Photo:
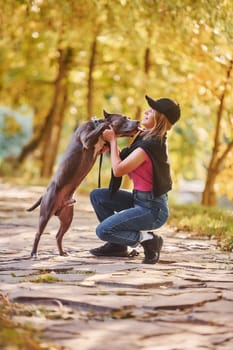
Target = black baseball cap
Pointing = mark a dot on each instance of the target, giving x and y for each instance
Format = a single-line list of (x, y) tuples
[(166, 106)]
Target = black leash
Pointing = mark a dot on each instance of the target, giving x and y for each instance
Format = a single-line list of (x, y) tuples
[(96, 122), (100, 166)]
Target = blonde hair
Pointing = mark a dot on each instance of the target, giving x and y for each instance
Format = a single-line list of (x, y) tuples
[(161, 126)]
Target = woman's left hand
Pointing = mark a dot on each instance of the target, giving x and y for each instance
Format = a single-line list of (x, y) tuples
[(109, 135)]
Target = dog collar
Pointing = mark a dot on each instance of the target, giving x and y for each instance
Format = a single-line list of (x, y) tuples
[(134, 137)]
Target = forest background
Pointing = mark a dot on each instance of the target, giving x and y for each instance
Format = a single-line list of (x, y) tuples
[(64, 61)]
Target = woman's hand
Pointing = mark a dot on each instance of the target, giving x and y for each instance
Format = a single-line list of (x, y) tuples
[(109, 135)]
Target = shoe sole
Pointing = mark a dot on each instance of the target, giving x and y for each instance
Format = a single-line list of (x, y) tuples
[(117, 254)]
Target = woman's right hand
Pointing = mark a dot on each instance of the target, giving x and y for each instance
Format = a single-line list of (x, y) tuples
[(109, 135)]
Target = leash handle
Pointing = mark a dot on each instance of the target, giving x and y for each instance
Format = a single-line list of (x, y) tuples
[(100, 166)]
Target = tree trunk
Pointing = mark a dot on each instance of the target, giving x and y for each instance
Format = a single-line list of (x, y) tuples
[(35, 140), (138, 113), (147, 61), (146, 70), (217, 158), (209, 197), (90, 79), (52, 133)]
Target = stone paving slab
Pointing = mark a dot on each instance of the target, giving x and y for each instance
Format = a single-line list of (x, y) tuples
[(183, 302)]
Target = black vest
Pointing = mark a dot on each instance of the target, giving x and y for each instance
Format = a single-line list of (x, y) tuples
[(156, 148)]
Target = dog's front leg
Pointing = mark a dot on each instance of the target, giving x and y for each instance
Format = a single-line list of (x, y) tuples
[(91, 138)]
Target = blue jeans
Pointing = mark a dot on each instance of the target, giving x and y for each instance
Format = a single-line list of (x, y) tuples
[(124, 214)]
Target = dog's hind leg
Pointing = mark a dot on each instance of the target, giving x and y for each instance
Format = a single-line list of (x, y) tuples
[(43, 220), (65, 217), (46, 211)]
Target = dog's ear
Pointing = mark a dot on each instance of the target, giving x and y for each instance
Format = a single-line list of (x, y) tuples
[(106, 114)]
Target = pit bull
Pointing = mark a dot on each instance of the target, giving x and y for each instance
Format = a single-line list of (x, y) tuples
[(79, 158)]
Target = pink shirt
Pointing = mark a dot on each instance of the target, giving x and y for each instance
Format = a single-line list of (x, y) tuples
[(143, 175)]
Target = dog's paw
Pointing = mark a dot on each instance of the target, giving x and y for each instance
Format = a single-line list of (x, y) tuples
[(64, 254), (85, 145)]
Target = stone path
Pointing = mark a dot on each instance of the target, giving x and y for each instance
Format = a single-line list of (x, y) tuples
[(183, 302)]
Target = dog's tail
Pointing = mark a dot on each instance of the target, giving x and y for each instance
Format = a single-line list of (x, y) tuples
[(35, 205)]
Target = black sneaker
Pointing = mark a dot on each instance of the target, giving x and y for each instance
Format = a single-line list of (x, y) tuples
[(110, 249), (152, 249)]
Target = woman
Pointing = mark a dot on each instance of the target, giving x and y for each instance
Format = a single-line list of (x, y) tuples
[(126, 217)]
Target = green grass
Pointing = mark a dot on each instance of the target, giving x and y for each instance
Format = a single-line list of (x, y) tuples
[(204, 221), (45, 279)]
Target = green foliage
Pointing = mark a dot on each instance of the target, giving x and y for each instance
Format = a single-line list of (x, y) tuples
[(204, 221), (189, 46)]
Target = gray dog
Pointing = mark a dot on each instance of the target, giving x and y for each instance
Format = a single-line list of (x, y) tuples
[(78, 160)]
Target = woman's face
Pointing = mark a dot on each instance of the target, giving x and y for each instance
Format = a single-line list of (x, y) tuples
[(148, 120)]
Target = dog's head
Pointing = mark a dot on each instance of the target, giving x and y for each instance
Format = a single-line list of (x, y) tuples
[(122, 125)]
